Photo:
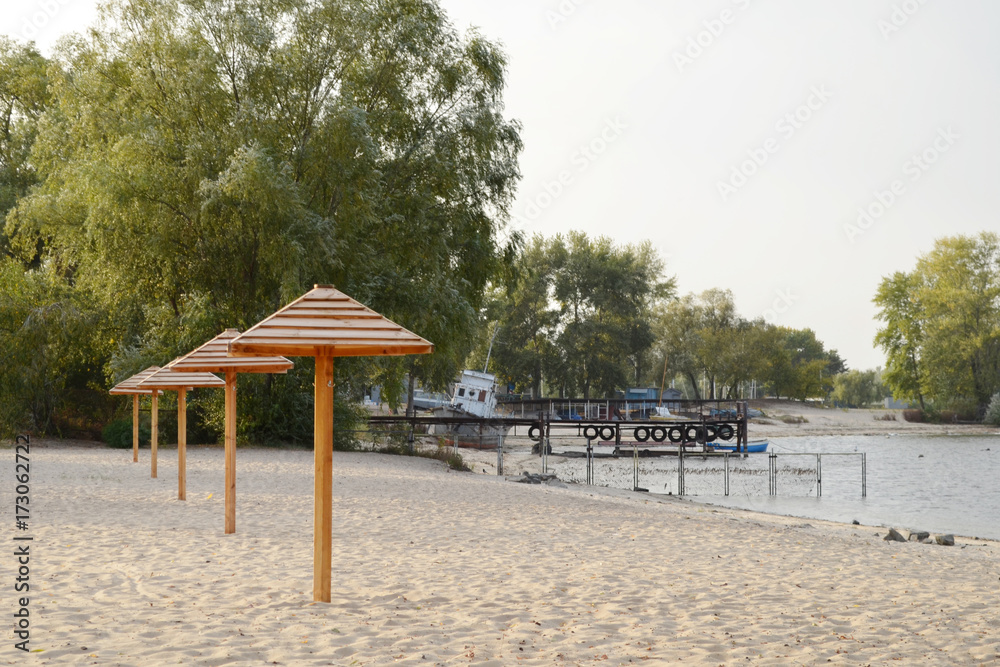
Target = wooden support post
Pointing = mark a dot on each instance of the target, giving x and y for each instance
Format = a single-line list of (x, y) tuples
[(230, 452), (181, 444), (155, 434), (323, 483), (135, 428)]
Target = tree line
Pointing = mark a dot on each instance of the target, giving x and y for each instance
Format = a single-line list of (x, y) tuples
[(587, 317)]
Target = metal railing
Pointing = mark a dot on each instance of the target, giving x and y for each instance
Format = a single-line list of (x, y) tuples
[(773, 470)]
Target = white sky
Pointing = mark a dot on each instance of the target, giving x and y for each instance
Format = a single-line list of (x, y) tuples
[(887, 80)]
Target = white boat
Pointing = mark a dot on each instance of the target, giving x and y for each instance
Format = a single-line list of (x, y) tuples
[(474, 397)]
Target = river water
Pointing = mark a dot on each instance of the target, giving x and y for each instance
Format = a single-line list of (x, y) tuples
[(942, 484)]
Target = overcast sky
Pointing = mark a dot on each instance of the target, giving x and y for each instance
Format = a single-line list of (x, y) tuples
[(792, 151)]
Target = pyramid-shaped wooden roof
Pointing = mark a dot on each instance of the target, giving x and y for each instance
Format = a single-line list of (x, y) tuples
[(131, 385), (213, 357), (168, 378), (327, 322)]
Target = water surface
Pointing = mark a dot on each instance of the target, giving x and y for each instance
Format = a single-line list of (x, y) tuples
[(942, 484)]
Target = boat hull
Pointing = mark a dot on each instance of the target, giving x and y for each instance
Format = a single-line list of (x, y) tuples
[(483, 434), (751, 448)]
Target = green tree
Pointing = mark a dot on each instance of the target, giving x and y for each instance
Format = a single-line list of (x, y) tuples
[(525, 321), (942, 323), (606, 294), (578, 315), (47, 352), (803, 367), (857, 389), (902, 336)]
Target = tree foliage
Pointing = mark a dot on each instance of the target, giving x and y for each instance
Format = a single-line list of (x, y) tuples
[(579, 315), (192, 165), (47, 351), (705, 341), (858, 389), (942, 323)]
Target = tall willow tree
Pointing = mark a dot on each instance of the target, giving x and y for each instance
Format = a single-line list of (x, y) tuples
[(203, 161), (942, 323)]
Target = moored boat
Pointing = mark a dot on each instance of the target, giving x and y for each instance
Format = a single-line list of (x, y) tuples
[(474, 398), (755, 447)]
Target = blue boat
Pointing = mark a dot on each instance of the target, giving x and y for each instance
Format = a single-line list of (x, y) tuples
[(756, 447)]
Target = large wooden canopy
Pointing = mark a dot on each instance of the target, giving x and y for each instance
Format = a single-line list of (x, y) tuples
[(326, 323), (131, 386), (168, 378), (213, 357)]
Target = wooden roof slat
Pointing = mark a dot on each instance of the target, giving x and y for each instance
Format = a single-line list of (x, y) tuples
[(335, 335), (306, 350), (324, 323), (349, 317)]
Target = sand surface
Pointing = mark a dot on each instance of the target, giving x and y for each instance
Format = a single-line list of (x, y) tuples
[(818, 420), (438, 567)]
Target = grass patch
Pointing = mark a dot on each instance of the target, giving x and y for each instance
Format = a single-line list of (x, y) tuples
[(887, 417), (445, 454), (793, 419)]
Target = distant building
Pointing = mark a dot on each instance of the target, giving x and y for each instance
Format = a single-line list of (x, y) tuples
[(650, 394)]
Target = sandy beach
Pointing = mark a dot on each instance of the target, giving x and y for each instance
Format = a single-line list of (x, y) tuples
[(433, 566), (794, 418)]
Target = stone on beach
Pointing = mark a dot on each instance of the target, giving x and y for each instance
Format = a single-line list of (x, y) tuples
[(894, 536)]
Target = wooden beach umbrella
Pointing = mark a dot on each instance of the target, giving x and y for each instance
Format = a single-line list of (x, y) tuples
[(131, 387), (326, 323), (179, 381), (213, 357)]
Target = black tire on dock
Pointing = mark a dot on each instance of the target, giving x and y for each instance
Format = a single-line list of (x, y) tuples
[(711, 433), (676, 434), (726, 432), (533, 433), (607, 432), (641, 433), (692, 433), (658, 434), (590, 432)]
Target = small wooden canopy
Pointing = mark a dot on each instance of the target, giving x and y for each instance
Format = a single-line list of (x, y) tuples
[(131, 385), (213, 357), (168, 378), (327, 322)]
